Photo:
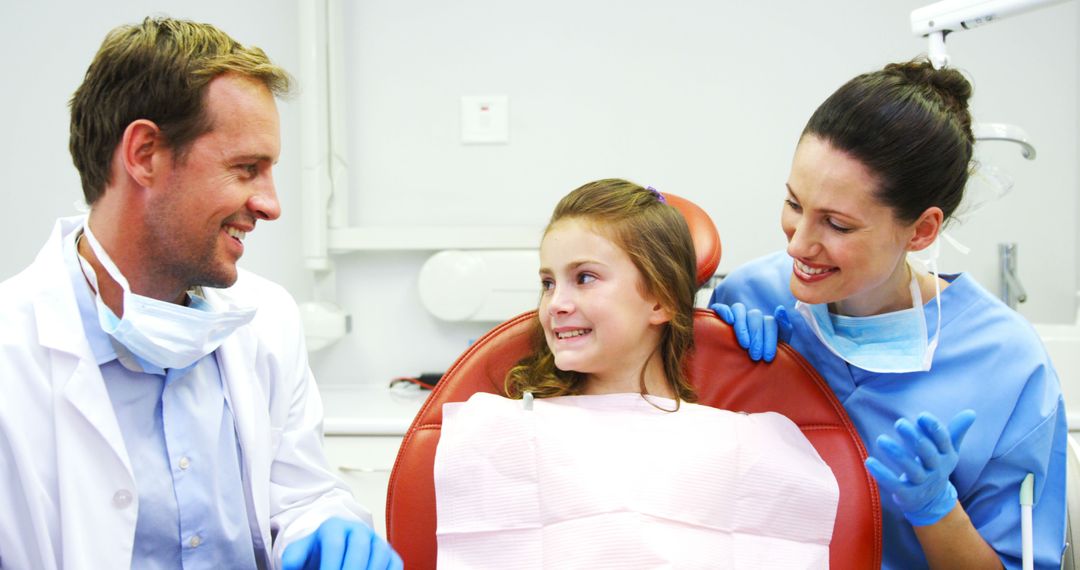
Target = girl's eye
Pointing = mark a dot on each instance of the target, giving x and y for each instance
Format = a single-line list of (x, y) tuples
[(546, 284), (585, 278), (793, 205)]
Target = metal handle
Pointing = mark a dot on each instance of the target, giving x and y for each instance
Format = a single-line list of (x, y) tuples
[(1012, 290)]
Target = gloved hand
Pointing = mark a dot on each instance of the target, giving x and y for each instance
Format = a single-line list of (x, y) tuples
[(756, 332), (341, 544), (915, 472)]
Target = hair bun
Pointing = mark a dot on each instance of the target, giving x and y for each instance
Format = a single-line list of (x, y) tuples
[(946, 85)]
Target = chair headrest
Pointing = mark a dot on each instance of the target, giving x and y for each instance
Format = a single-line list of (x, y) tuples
[(702, 232)]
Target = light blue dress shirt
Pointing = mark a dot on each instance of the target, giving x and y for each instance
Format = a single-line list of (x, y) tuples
[(181, 439), (988, 359)]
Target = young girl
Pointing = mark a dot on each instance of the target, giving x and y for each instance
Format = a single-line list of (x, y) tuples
[(616, 308), (612, 466)]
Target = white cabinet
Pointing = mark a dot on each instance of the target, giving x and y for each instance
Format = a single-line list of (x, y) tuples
[(364, 425), (1063, 345), (364, 463)]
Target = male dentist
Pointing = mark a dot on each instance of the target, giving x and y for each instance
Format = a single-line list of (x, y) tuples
[(156, 405)]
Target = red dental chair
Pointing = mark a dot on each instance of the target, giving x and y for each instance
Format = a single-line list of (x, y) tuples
[(723, 376)]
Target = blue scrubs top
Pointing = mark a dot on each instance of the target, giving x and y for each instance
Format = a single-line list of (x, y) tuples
[(989, 359)]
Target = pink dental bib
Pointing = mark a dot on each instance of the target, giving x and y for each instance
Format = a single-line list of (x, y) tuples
[(613, 482)]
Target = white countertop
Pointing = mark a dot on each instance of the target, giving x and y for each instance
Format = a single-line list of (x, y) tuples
[(369, 409), (377, 410)]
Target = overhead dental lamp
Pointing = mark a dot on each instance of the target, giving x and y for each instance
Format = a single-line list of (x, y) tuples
[(937, 20)]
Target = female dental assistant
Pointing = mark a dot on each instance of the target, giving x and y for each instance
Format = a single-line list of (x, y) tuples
[(879, 168)]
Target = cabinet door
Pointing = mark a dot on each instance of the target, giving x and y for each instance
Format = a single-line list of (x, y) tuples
[(364, 463)]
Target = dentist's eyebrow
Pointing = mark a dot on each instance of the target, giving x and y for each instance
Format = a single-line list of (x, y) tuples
[(256, 157), (822, 210)]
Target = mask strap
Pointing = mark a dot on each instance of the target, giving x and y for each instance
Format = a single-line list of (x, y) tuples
[(84, 265), (937, 298), (935, 252), (949, 239), (930, 262), (104, 258)]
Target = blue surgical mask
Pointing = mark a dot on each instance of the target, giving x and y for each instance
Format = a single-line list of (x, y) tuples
[(162, 333), (891, 342)]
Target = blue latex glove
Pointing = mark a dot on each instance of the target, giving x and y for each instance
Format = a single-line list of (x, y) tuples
[(915, 471), (756, 332), (341, 544)]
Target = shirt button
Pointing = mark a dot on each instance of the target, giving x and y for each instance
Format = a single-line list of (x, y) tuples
[(122, 499), (195, 541), (185, 463)]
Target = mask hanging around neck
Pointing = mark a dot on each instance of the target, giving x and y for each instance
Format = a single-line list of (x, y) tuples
[(165, 334), (890, 342)]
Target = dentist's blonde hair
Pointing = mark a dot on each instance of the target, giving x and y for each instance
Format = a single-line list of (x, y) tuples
[(656, 238), (156, 70)]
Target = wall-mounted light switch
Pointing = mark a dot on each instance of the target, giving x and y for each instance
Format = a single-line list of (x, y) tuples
[(485, 119)]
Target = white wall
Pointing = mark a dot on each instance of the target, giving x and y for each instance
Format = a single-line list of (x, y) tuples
[(704, 99)]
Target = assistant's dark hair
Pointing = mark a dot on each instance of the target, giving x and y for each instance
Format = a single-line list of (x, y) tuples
[(909, 124), (656, 238)]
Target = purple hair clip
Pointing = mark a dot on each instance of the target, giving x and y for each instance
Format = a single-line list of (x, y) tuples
[(657, 193)]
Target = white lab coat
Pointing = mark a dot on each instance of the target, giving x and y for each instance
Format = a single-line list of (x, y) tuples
[(67, 491)]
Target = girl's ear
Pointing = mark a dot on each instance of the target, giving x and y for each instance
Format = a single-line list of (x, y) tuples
[(659, 315)]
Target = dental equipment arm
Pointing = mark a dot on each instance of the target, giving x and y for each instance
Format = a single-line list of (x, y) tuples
[(1004, 132), (937, 20)]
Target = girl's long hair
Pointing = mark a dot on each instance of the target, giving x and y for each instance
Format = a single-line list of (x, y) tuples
[(657, 240)]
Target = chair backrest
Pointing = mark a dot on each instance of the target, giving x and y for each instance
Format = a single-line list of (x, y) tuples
[(703, 233), (723, 376)]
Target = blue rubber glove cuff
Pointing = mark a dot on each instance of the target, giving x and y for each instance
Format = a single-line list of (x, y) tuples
[(936, 509)]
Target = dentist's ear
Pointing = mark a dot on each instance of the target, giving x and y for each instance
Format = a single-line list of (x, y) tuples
[(926, 229), (141, 150)]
